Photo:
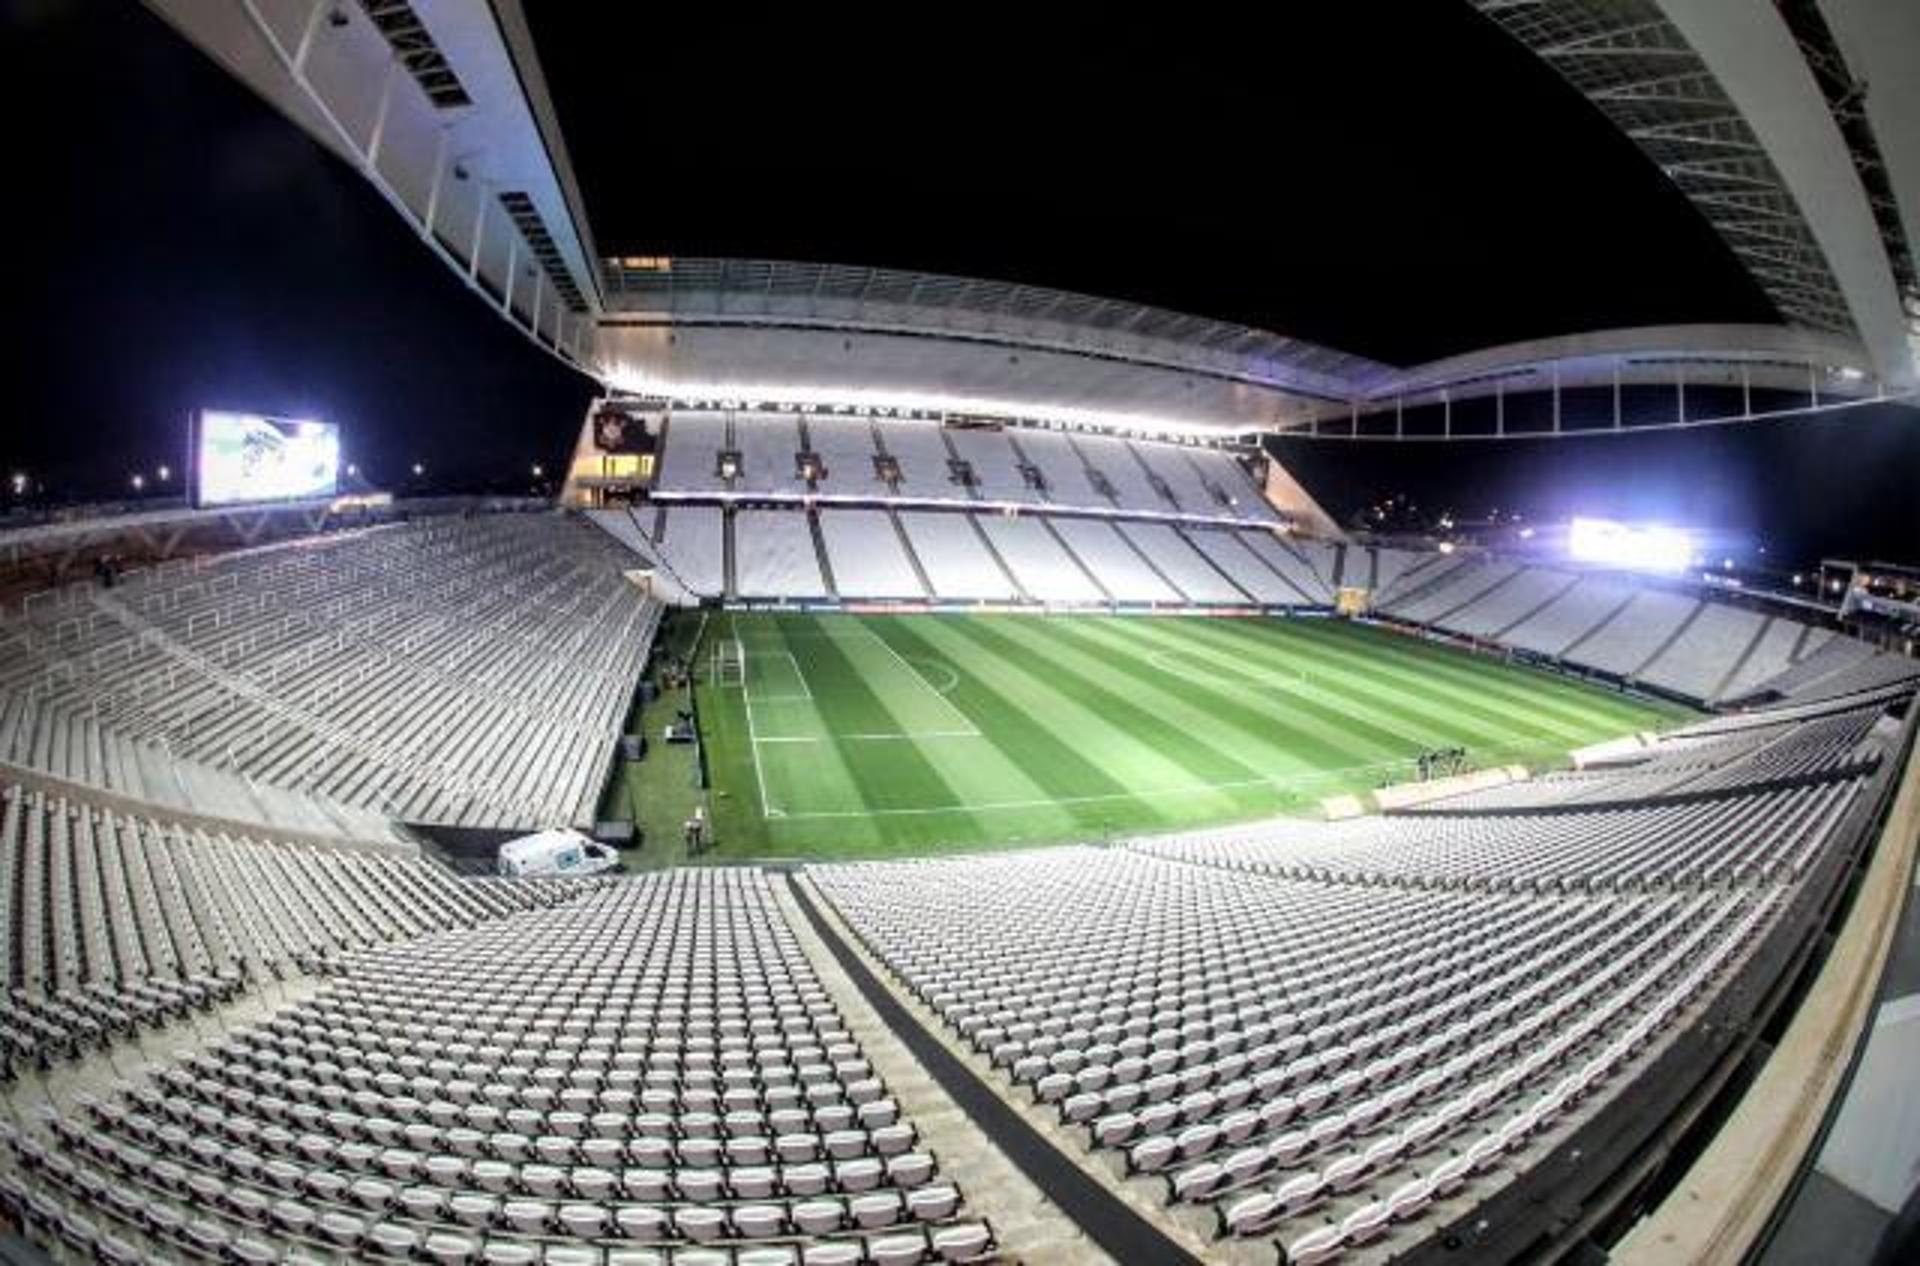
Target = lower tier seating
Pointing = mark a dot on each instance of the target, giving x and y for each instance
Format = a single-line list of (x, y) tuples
[(652, 1074), (111, 921)]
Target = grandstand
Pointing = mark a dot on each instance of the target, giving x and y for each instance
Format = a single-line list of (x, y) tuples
[(1045, 833)]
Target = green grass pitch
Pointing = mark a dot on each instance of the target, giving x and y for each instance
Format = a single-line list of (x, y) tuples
[(856, 735)]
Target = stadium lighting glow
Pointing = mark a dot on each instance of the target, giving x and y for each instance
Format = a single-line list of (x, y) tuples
[(538, 470), (165, 473), (418, 469), (1798, 579), (139, 482), (643, 383), (1638, 548)]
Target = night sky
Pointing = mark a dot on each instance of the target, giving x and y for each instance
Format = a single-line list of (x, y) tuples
[(1392, 179)]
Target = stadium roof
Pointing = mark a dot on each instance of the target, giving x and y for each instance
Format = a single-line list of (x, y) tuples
[(1767, 124), (444, 107)]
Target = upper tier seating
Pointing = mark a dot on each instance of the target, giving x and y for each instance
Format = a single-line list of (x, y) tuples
[(845, 448), (1839, 666), (1236, 490), (1010, 464), (465, 671), (774, 556), (925, 462), (690, 457), (1114, 459), (1181, 478), (1065, 475), (655, 1067), (769, 445), (995, 465), (955, 557)]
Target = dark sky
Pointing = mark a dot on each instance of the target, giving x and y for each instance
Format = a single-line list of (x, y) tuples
[(1833, 485), (1394, 179), (180, 244)]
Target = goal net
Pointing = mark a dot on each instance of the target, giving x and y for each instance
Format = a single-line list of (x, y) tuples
[(729, 662)]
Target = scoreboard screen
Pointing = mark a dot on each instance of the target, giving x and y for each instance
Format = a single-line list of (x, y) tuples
[(247, 457)]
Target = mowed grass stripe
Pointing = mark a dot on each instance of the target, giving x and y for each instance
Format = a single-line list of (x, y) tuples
[(891, 775), (1086, 729), (1475, 689), (1389, 729), (1193, 746), (1299, 731), (1140, 750), (1579, 704), (1054, 767), (1471, 689), (1360, 688)]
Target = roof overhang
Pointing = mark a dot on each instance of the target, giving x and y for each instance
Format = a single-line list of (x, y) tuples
[(1753, 111), (441, 106), (1763, 357), (798, 331)]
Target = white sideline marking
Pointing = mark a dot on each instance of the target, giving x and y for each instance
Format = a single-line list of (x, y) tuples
[(753, 737), (1300, 780)]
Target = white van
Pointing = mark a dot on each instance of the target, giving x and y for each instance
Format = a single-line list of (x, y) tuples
[(557, 852)]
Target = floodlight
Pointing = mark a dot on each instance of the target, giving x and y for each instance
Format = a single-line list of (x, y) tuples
[(1648, 547)]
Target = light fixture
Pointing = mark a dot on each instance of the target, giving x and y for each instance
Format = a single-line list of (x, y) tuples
[(165, 472), (139, 482), (419, 470)]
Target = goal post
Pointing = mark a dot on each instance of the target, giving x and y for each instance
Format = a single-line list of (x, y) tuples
[(729, 667)]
